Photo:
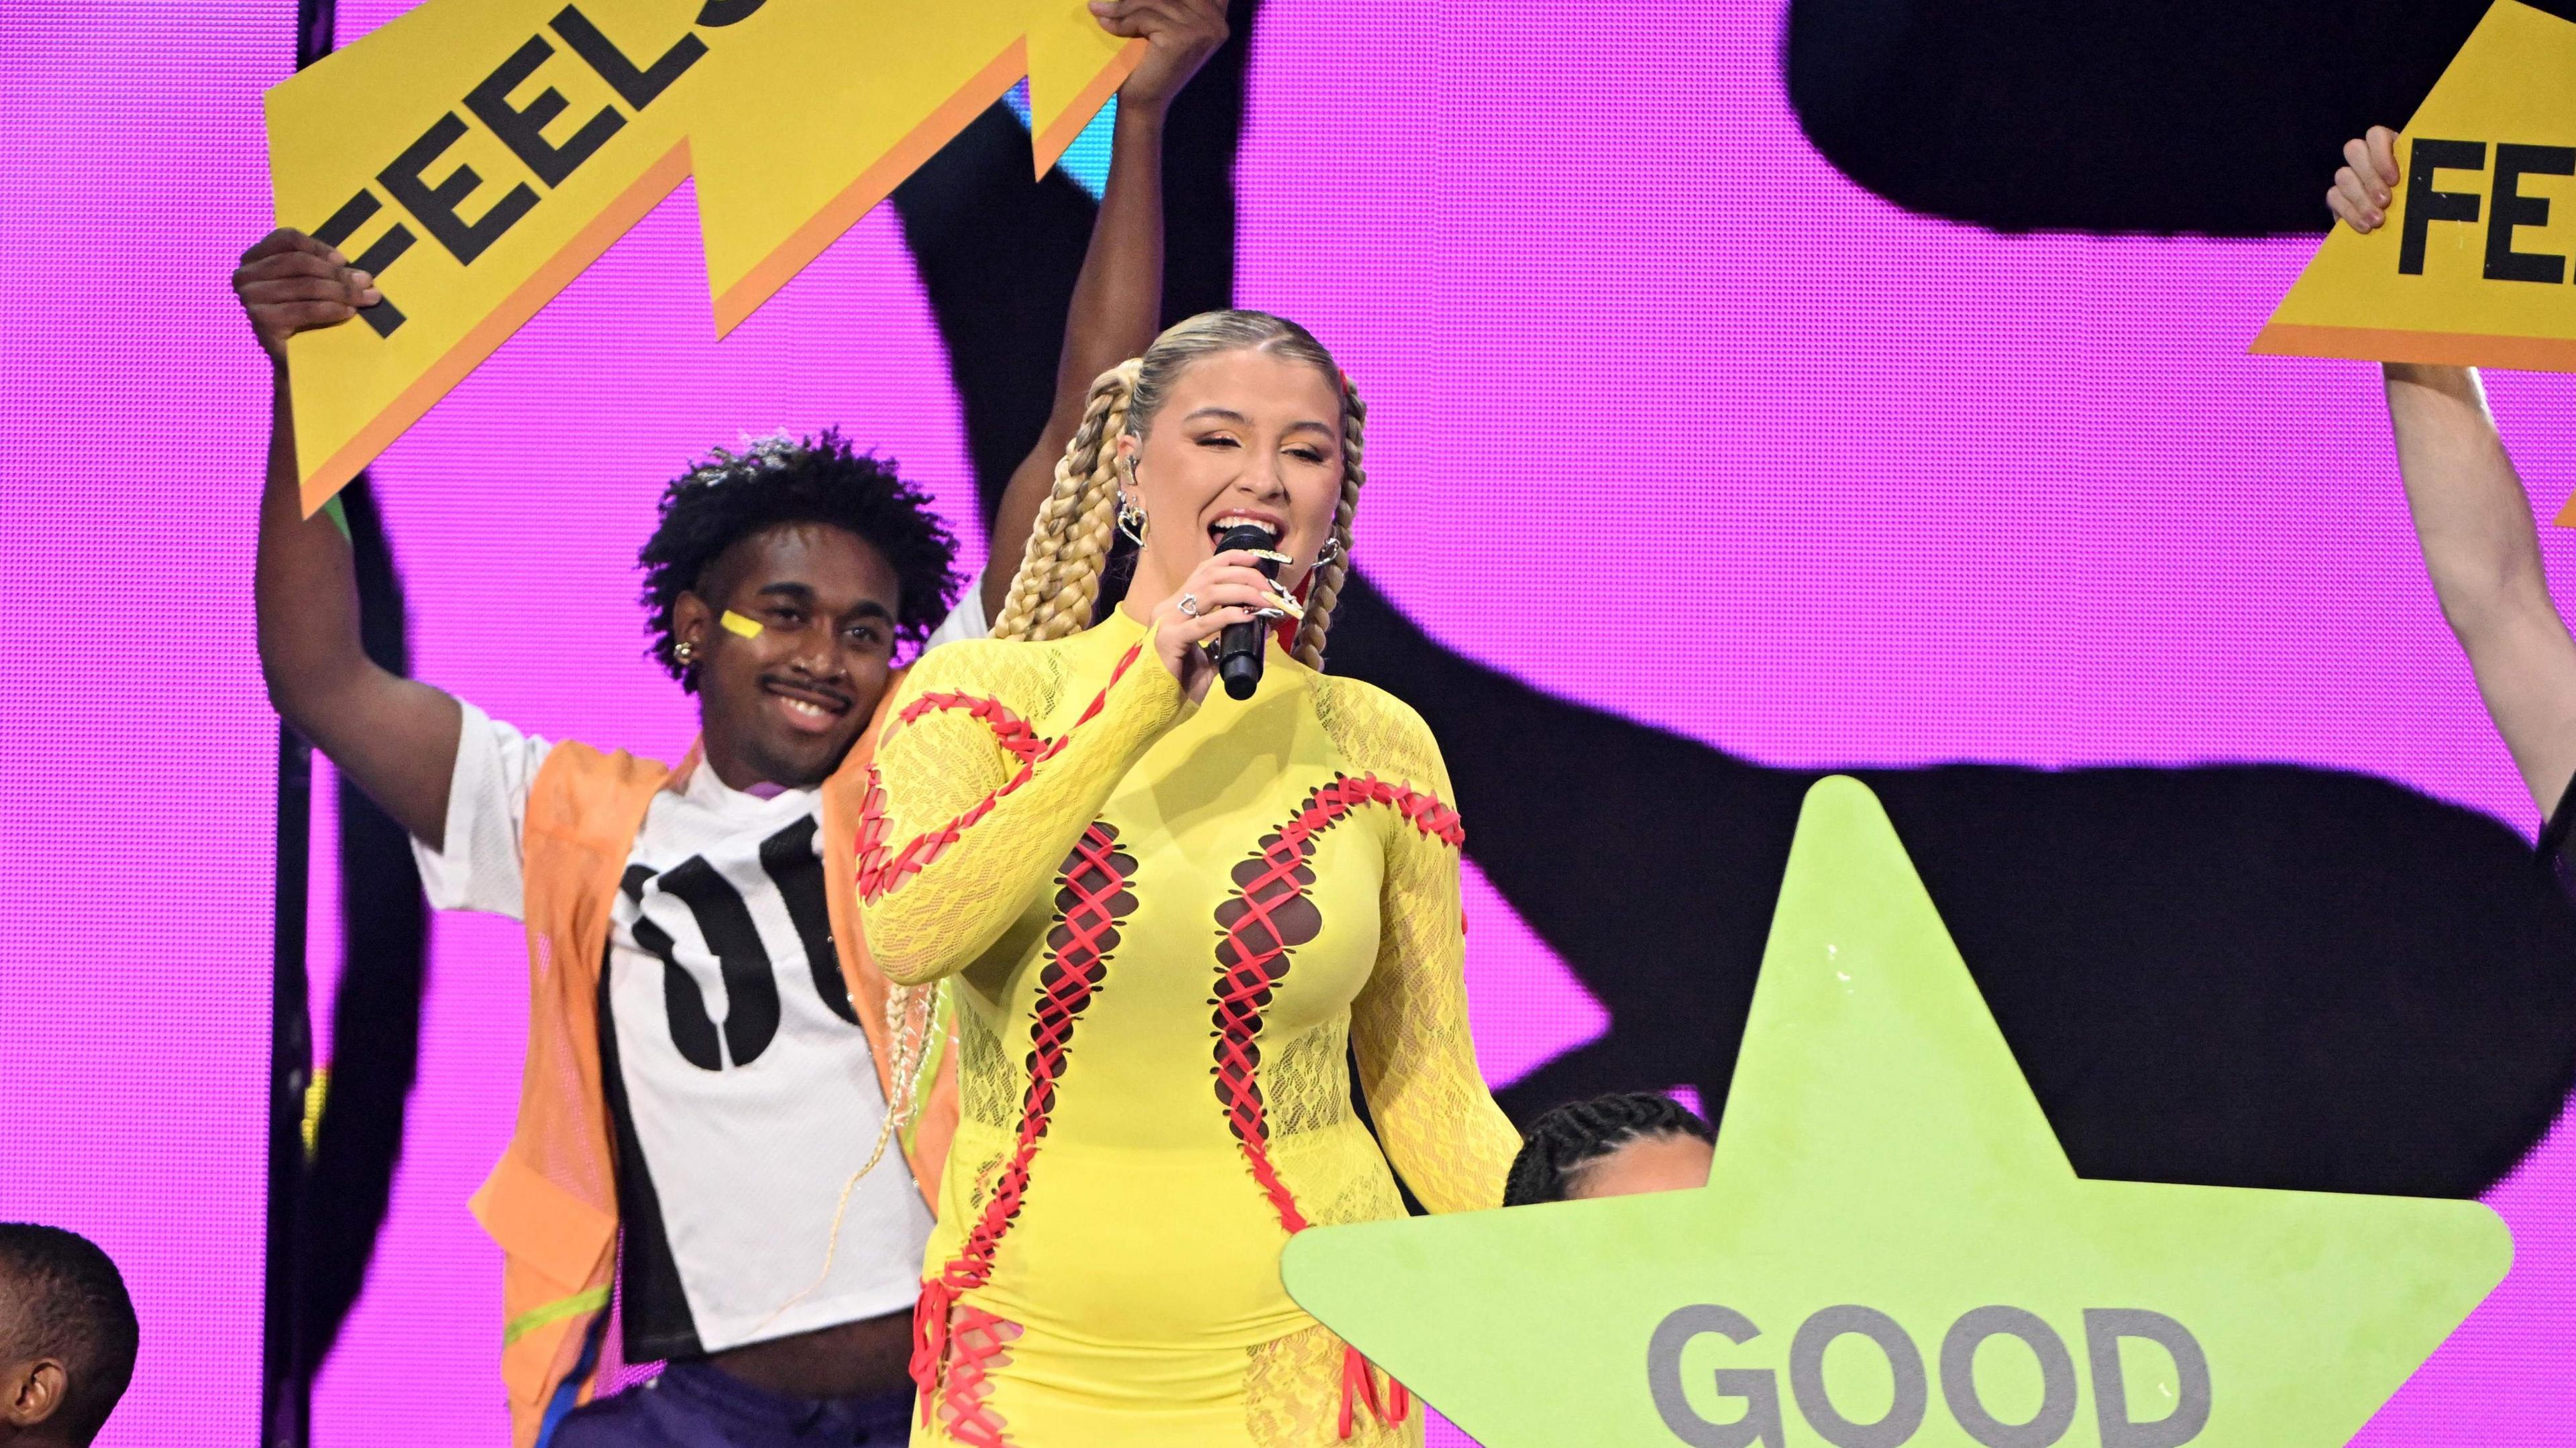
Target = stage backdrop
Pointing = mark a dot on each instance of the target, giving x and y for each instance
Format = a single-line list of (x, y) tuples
[(1668, 419)]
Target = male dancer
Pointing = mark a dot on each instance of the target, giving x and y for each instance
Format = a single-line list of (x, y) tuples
[(711, 1142), (2475, 523)]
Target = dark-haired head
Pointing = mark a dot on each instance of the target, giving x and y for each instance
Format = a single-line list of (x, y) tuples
[(67, 1336), (838, 561), (1610, 1146)]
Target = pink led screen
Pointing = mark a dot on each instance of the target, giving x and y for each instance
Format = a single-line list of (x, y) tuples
[(1723, 444), (140, 754)]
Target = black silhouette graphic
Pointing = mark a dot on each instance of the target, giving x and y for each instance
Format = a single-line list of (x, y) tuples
[(375, 1015), (2221, 117), (2253, 975)]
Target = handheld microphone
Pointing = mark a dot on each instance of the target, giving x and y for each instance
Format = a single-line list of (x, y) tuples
[(1238, 649)]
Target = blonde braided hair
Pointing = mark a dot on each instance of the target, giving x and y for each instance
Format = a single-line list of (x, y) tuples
[(1052, 595), (1058, 582), (1325, 586), (1057, 588)]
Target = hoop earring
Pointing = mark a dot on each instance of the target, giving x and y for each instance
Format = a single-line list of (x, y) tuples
[(1132, 522)]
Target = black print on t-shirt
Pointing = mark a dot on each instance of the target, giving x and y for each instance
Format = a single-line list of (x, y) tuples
[(725, 922), (789, 859)]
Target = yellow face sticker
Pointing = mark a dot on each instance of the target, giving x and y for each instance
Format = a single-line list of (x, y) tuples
[(736, 623)]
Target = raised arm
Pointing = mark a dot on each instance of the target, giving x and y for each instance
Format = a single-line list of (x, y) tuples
[(1118, 297), (970, 813), (2475, 524), (1417, 1060), (395, 737)]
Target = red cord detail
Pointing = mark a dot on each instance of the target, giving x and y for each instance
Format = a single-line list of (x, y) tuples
[(881, 870), (1093, 899), (968, 1390), (1359, 1386), (1244, 991), (1009, 728)]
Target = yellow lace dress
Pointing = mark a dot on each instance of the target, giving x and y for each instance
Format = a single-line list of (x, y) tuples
[(1163, 924)]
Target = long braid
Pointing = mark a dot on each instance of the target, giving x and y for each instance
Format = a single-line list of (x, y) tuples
[(1327, 585), (1058, 580), (1051, 596), (1566, 1139)]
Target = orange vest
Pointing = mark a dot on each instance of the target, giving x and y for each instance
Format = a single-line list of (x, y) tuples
[(551, 1201)]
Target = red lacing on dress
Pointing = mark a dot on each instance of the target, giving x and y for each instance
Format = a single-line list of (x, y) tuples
[(1255, 941), (881, 870), (1359, 1385), (968, 1390), (1094, 898)]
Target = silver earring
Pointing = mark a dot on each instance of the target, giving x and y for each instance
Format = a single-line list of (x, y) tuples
[(685, 652), (1331, 550), (1132, 521)]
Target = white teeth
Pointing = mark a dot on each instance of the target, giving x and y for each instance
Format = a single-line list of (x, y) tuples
[(801, 707)]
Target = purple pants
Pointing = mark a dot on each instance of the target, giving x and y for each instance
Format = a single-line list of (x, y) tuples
[(692, 1405)]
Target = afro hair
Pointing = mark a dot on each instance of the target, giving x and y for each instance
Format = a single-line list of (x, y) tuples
[(778, 480)]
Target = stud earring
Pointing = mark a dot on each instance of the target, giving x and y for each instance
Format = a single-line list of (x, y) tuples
[(685, 651)]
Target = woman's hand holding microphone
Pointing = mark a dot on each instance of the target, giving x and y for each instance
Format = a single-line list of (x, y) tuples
[(1228, 588)]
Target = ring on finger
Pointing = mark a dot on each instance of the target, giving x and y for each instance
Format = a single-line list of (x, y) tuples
[(1189, 605)]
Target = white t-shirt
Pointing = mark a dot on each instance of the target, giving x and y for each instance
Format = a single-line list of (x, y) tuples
[(740, 1083)]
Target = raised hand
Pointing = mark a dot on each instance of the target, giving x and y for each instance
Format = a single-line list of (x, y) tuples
[(1179, 34), (290, 283), (2362, 189)]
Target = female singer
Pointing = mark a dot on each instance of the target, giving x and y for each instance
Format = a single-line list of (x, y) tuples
[(1165, 918)]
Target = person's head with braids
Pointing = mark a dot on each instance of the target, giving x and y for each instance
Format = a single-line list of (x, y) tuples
[(779, 585), (1230, 417), (1611, 1146)]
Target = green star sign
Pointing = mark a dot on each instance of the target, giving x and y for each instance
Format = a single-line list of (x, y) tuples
[(1892, 1248)]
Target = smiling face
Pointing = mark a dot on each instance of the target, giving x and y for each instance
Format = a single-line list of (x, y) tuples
[(1241, 436), (783, 707)]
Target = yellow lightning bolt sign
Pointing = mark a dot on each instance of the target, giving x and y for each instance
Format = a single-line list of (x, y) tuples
[(2474, 265), (477, 154)]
